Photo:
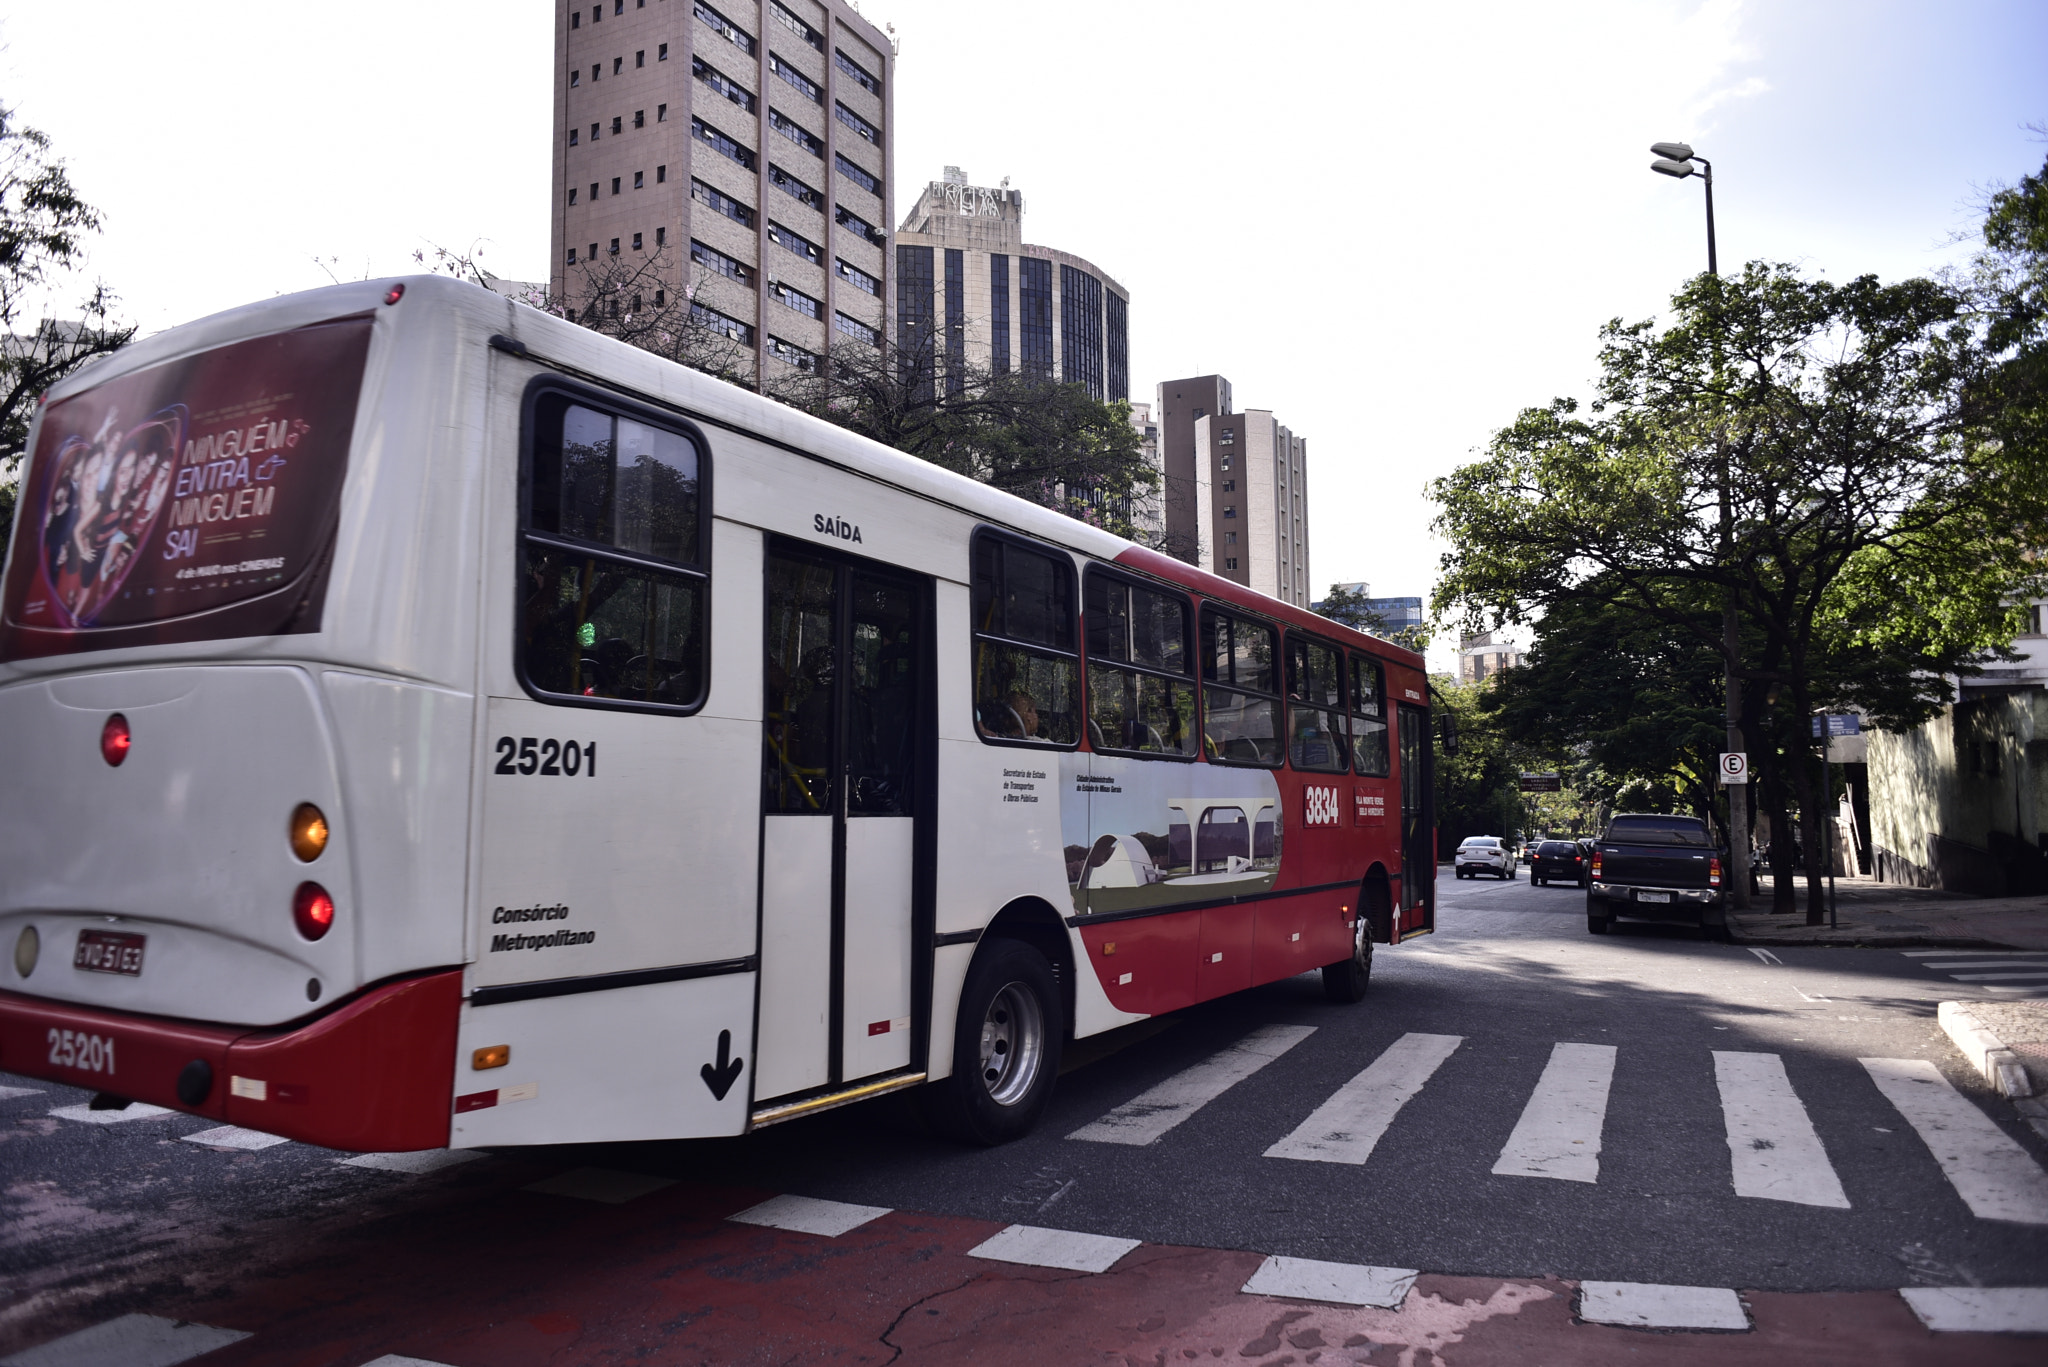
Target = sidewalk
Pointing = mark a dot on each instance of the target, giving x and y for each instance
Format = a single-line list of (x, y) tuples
[(1873, 913)]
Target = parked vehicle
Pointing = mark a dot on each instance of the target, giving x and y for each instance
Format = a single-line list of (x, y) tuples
[(1486, 854), (1653, 867), (1558, 861)]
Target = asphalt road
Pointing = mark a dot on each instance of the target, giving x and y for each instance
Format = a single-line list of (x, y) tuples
[(102, 1218)]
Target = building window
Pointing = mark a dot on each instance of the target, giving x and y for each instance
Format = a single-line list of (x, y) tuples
[(999, 313), (726, 28), (593, 252), (618, 124), (572, 137), (796, 26), (1231, 563), (661, 53), (1081, 330), (796, 133), (614, 578), (858, 174), (914, 321), (661, 113), (593, 192), (640, 58), (618, 65), (1230, 486), (859, 125), (859, 279), (1230, 512), (596, 13), (713, 259), (615, 246), (722, 83), (636, 242), (572, 194), (1316, 733), (725, 326), (1368, 717), (1034, 325), (639, 180), (802, 246), (795, 189), (1141, 685), (615, 184), (790, 354), (804, 84), (795, 299), (854, 69), (1241, 693), (1026, 671), (854, 327), (723, 203), (719, 142), (576, 19), (661, 237), (639, 118), (575, 77), (956, 321), (572, 256), (661, 175), (1116, 326), (596, 71), (861, 227), (661, 299)]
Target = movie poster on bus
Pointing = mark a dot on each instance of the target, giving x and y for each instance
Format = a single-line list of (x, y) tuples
[(193, 500)]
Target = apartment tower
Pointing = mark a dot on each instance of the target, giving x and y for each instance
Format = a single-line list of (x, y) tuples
[(745, 150), (1236, 489)]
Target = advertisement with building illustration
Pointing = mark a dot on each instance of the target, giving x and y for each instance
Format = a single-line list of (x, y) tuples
[(1140, 834)]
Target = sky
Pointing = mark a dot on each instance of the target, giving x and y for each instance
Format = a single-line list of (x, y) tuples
[(1393, 225)]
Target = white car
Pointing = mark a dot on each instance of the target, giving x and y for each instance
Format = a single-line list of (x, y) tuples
[(1486, 854)]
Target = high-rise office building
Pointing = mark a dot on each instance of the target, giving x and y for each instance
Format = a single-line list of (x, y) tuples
[(746, 149), (1236, 489), (972, 295)]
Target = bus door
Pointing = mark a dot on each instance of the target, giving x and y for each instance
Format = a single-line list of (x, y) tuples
[(845, 722), (1418, 824)]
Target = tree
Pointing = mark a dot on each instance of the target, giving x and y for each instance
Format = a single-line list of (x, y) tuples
[(43, 225), (1880, 522), (1477, 790), (1342, 605)]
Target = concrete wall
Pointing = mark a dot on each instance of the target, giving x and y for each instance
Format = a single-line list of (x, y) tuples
[(1958, 803)]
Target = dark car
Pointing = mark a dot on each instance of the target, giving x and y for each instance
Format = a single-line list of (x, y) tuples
[(1656, 867), (1558, 861)]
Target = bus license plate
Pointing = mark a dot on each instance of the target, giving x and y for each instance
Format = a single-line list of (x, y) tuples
[(1653, 896), (109, 951)]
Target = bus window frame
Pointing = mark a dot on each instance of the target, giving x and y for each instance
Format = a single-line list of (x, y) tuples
[(523, 535), (975, 636), (1096, 572), (1342, 707), (1353, 717), (1231, 612)]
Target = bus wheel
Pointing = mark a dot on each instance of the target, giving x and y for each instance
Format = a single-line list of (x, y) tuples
[(1347, 980), (1006, 1049)]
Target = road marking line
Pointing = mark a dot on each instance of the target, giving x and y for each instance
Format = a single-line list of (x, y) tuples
[(1061, 1248), (235, 1137), (1803, 997), (418, 1162), (1973, 953), (1980, 963), (1307, 1279), (808, 1215), (1345, 1128), (1146, 1118), (599, 1184), (1999, 977), (1559, 1132), (9, 1093), (1980, 1309), (395, 1360), (136, 1110), (1645, 1305), (1996, 1178), (1765, 956), (1774, 1151), (132, 1341)]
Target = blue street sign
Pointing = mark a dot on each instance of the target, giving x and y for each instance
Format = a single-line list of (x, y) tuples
[(1840, 724)]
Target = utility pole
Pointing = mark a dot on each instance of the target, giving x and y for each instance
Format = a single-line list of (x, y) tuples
[(1676, 159)]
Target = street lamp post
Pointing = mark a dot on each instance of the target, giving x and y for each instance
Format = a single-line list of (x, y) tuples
[(1677, 160)]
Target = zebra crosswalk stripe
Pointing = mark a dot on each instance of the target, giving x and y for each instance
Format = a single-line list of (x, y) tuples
[(1559, 1132), (1345, 1128), (1996, 1178), (1776, 1155), (1147, 1117)]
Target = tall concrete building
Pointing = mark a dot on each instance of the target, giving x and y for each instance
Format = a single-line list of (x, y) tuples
[(1236, 489), (746, 149), (975, 296)]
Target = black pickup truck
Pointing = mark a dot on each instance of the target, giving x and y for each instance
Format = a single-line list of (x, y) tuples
[(1656, 868)]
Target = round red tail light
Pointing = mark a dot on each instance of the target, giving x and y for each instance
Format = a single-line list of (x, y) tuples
[(312, 910), (394, 294), (114, 739)]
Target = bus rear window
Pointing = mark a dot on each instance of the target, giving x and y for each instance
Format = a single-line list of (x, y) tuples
[(194, 500)]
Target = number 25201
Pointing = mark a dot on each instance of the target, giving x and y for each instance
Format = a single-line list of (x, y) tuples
[(566, 758)]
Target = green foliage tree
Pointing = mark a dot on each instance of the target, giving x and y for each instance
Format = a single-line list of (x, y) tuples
[(43, 226), (1342, 605), (1478, 790), (1837, 459)]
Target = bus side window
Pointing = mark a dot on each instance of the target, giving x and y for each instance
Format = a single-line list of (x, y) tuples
[(1315, 706), (1240, 693), (1141, 695), (612, 558), (1368, 716), (1027, 684)]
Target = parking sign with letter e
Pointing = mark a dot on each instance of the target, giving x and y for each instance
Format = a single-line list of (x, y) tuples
[(1735, 767)]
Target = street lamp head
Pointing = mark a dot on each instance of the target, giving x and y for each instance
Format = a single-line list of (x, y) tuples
[(1676, 151), (1664, 166)]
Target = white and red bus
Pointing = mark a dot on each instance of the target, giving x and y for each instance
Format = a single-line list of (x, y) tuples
[(430, 723)]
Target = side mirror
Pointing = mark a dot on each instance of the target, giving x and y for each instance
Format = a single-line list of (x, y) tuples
[(1447, 728)]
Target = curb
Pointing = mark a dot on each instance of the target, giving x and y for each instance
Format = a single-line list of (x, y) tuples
[(1855, 936), (1987, 1053)]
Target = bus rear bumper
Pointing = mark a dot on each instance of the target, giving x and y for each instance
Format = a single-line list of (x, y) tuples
[(375, 1074)]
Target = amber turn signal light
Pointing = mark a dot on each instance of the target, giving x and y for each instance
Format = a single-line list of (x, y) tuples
[(114, 740), (496, 1056), (312, 910), (309, 832)]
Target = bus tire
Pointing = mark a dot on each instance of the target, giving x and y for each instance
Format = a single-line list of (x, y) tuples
[(1346, 980), (1006, 1048)]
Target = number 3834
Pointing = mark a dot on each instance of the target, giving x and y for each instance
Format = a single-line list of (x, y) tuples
[(547, 757)]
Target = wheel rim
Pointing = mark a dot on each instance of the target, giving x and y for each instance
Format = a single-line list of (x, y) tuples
[(1012, 1044), (1361, 943)]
